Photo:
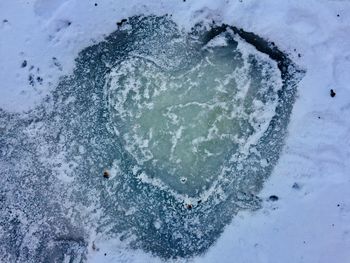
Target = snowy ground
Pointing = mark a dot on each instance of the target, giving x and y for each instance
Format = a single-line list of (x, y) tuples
[(311, 221)]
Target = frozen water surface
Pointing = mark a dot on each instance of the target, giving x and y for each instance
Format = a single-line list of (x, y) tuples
[(182, 107), (189, 125)]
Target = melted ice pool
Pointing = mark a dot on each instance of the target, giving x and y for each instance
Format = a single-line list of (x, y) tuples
[(184, 107)]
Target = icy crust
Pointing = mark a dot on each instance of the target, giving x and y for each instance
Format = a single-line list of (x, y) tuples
[(68, 141), (183, 110)]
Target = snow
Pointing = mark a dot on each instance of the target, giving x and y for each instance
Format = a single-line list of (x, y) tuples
[(309, 224)]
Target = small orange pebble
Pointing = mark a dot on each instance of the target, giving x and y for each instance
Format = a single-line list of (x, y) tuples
[(106, 174), (189, 206)]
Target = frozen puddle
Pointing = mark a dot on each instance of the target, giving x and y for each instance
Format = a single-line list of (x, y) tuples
[(189, 125), (183, 106)]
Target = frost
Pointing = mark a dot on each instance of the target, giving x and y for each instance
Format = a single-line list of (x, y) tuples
[(188, 131)]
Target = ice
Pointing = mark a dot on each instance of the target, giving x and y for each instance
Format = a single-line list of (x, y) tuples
[(313, 33), (157, 108), (182, 121)]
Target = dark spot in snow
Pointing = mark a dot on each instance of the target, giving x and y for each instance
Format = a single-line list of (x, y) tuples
[(299, 55), (121, 22), (332, 224), (338, 15), (319, 117), (184, 0), (24, 64), (295, 50), (60, 25), (39, 80), (273, 198), (106, 174), (296, 186), (105, 254), (338, 205), (31, 80), (273, 43), (31, 67), (5, 21), (332, 93), (189, 206), (57, 63), (95, 4), (199, 201)]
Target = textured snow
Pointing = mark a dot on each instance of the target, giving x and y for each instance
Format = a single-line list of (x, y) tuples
[(310, 221)]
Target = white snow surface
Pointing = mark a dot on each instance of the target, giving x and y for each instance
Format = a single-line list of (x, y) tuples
[(310, 224)]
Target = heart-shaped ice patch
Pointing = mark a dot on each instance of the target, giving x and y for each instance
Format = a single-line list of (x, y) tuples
[(183, 108)]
